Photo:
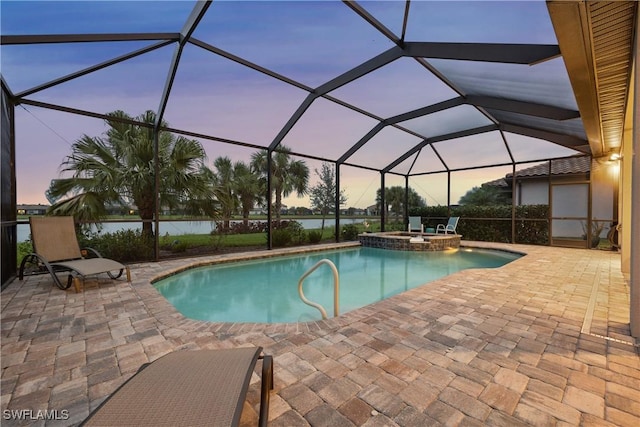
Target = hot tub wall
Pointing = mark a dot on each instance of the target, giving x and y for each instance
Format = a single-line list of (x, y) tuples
[(398, 242)]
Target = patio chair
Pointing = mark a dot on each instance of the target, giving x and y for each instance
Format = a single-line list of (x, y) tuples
[(451, 226), (415, 224), (56, 249), (188, 388)]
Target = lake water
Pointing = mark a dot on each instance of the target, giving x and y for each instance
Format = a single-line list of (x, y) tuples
[(176, 228)]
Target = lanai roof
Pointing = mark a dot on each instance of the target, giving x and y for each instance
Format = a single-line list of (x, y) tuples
[(401, 87)]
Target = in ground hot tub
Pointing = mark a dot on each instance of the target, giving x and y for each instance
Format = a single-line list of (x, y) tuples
[(405, 241)]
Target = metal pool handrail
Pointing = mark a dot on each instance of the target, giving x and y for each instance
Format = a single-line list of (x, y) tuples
[(336, 288)]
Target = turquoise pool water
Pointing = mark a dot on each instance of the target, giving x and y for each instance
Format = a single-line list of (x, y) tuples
[(266, 290)]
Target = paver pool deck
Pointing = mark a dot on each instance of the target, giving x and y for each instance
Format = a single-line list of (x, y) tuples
[(543, 340)]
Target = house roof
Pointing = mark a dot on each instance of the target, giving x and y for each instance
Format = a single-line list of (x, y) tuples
[(500, 182), (566, 166), (559, 167)]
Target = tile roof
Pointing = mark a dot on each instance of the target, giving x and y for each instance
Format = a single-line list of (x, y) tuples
[(566, 166), (500, 182)]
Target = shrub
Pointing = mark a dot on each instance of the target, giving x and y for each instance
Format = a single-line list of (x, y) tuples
[(237, 227), (240, 227), (350, 232), (314, 236), (179, 246), (122, 245), (492, 223), (290, 234), (280, 238), (24, 249), (395, 226), (298, 235)]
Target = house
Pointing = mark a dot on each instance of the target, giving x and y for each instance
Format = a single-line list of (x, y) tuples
[(32, 209), (532, 184), (576, 189), (353, 211), (257, 210)]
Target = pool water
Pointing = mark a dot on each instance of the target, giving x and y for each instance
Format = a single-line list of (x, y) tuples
[(266, 290)]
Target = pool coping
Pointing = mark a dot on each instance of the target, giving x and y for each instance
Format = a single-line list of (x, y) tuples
[(167, 314)]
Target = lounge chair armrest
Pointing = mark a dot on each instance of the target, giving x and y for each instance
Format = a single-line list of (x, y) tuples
[(33, 258), (266, 387), (94, 253)]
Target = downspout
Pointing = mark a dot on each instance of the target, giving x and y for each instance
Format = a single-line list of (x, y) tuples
[(519, 193)]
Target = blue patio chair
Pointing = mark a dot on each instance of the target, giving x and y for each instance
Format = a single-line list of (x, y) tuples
[(450, 227)]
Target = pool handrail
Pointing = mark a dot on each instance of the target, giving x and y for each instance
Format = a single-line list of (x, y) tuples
[(336, 288)]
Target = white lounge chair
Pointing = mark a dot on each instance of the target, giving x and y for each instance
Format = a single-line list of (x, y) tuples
[(415, 224), (450, 227)]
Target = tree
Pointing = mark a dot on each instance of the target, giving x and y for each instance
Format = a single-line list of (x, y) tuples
[(394, 200), (249, 188), (323, 194), (119, 170), (236, 185), (287, 176), (223, 188), (485, 195)]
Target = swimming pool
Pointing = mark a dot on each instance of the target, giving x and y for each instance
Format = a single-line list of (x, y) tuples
[(266, 290)]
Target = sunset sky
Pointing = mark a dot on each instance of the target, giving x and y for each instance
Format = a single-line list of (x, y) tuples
[(309, 42)]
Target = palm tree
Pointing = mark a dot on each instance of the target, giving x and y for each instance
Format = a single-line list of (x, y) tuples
[(119, 169), (223, 181), (249, 188), (287, 175)]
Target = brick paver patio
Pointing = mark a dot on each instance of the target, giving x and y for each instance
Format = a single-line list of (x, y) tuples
[(543, 341)]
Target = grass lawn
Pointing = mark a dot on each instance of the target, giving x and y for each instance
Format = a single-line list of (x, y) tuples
[(228, 240)]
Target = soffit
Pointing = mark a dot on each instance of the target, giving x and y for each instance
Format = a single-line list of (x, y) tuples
[(596, 41)]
